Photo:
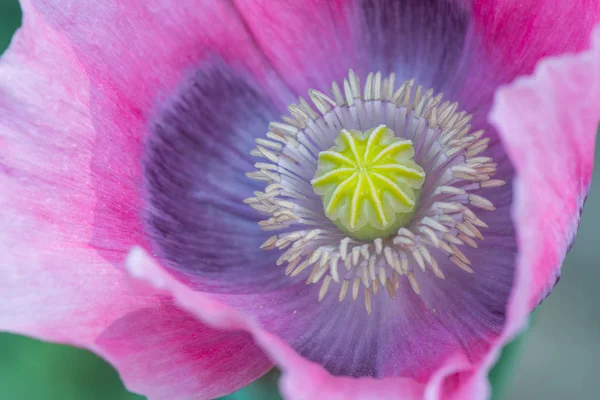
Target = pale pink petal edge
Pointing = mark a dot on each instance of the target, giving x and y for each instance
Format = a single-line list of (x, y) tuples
[(547, 123)]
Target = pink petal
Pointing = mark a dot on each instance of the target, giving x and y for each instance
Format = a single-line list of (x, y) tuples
[(60, 239), (47, 197), (548, 125), (517, 34), (509, 37), (165, 353), (301, 378), (136, 51), (309, 43)]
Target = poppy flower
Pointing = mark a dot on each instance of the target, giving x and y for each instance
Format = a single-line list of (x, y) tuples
[(170, 203)]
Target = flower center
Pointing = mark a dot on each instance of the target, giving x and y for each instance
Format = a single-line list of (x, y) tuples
[(376, 187), (369, 182)]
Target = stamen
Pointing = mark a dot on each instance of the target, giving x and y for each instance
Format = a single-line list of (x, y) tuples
[(400, 173)]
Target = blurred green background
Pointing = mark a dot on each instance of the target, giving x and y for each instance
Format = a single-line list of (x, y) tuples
[(557, 359)]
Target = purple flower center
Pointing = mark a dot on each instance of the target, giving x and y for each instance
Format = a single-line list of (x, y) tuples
[(444, 146)]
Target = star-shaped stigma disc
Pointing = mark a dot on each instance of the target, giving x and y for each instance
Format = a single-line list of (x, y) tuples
[(369, 183)]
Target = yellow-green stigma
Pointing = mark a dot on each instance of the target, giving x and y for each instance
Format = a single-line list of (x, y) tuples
[(369, 183)]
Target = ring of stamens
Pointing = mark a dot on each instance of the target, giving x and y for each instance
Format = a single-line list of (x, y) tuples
[(445, 219)]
